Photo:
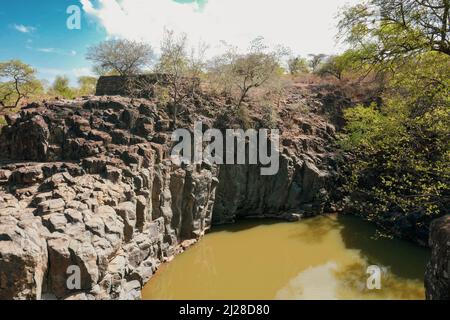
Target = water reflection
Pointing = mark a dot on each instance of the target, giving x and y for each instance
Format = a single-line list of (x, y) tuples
[(320, 258), (316, 229), (404, 258)]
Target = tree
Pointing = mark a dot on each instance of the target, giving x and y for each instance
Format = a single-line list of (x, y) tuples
[(402, 146), (390, 30), (219, 74), (337, 65), (124, 57), (18, 81), (62, 88), (174, 67), (197, 64), (315, 60), (247, 71), (254, 69), (87, 85), (298, 65)]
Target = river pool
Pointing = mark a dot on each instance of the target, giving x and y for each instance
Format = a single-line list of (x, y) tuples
[(320, 258)]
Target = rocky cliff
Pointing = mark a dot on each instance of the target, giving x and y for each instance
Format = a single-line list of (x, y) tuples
[(437, 277), (86, 186), (98, 195)]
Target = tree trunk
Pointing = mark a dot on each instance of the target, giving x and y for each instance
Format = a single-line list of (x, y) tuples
[(17, 101), (243, 95), (19, 95)]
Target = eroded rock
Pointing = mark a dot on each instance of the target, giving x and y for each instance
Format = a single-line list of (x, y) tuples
[(104, 197)]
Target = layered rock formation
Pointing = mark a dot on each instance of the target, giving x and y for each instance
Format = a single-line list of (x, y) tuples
[(307, 181), (121, 85), (86, 186), (437, 276), (299, 189), (99, 195)]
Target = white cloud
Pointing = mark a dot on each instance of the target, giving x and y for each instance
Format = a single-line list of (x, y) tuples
[(55, 51), (51, 71), (24, 29), (46, 50), (81, 72), (305, 26)]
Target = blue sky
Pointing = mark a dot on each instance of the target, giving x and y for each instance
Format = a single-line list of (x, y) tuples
[(35, 31)]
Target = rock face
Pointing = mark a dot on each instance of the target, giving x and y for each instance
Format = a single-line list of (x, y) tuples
[(99, 198), (299, 189), (119, 85), (306, 183), (437, 277), (23, 252), (90, 205)]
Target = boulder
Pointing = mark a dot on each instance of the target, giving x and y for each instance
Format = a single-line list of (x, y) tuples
[(26, 176), (23, 258), (51, 206)]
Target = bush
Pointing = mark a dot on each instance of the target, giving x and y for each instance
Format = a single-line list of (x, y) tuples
[(269, 116), (402, 163), (244, 117), (62, 89), (162, 94)]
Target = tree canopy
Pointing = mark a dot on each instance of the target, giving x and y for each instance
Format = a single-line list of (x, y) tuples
[(61, 87), (17, 81), (87, 85), (120, 56), (298, 65), (389, 30), (250, 70), (402, 146)]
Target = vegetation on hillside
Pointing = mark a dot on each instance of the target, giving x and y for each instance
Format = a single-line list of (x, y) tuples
[(401, 148)]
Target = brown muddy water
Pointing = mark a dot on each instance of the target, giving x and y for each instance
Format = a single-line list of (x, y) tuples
[(320, 258)]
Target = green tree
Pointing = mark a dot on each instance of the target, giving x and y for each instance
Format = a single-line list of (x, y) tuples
[(402, 147), (298, 65), (387, 31), (315, 60), (18, 81), (87, 85), (62, 88), (336, 66), (402, 164)]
